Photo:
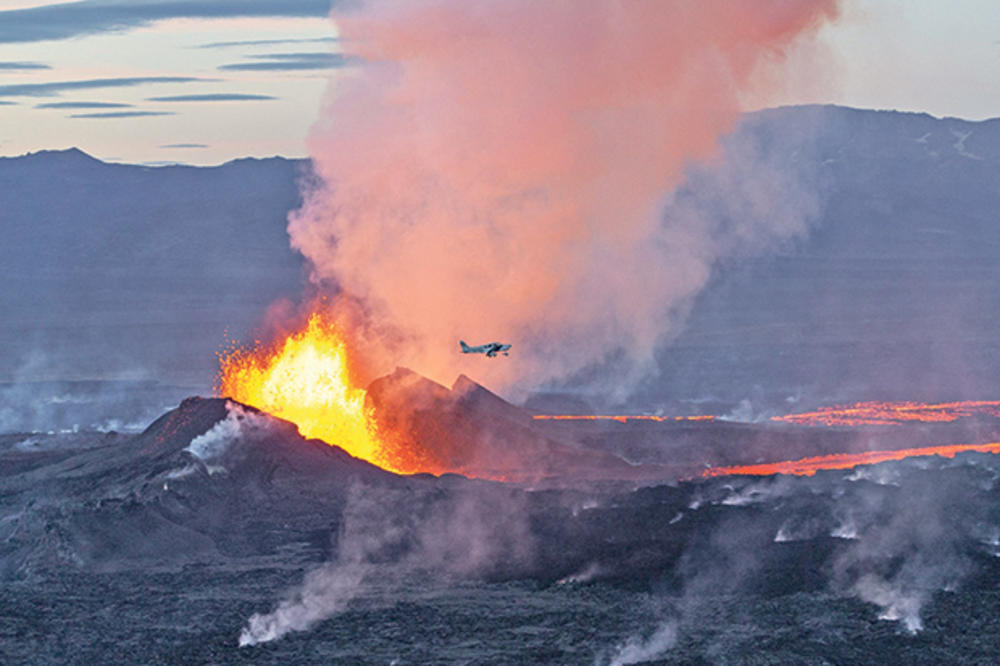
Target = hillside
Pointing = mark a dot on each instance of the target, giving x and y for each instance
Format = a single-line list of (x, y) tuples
[(116, 270)]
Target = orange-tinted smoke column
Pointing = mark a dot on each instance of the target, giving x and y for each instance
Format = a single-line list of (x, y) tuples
[(495, 169)]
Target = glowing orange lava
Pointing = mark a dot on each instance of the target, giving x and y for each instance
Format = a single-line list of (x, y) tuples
[(621, 418), (892, 413), (809, 466), (305, 379)]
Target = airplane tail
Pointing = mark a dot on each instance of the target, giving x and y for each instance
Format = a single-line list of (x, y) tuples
[(465, 347)]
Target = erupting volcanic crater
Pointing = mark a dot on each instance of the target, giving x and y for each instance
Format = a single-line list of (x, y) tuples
[(403, 422), (399, 489), (408, 424)]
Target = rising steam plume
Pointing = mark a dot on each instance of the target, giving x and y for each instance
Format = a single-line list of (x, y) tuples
[(497, 169)]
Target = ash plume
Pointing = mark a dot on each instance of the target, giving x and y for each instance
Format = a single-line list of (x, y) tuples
[(497, 169)]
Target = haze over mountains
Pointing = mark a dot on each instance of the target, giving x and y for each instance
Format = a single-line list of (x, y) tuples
[(119, 271), (893, 293), (114, 269)]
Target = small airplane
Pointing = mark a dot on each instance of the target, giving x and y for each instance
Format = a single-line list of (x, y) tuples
[(491, 349)]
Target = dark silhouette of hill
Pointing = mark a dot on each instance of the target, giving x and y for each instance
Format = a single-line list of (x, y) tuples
[(115, 270), (892, 293)]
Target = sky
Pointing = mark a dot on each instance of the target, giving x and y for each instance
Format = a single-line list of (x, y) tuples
[(206, 81)]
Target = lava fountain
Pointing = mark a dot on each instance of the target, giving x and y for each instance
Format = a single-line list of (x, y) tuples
[(306, 379)]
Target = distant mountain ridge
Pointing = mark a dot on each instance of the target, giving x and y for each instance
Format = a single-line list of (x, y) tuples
[(895, 291), (118, 270)]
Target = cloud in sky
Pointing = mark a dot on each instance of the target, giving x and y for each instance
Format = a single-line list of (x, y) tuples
[(82, 105), (292, 61), (266, 42), (123, 114), (4, 102), (211, 97), (55, 88), (185, 145), (85, 17), (9, 65)]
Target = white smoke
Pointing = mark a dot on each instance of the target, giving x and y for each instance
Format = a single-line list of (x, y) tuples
[(883, 474), (367, 529), (28, 444), (896, 601), (324, 592), (745, 412), (637, 650), (757, 492), (392, 533), (33, 398), (212, 445), (784, 535), (907, 539), (585, 575), (845, 530)]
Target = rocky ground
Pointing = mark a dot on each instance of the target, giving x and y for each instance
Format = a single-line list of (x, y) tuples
[(219, 525)]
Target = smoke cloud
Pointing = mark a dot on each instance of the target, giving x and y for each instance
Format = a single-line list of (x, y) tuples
[(497, 169), (387, 535), (637, 651), (239, 424), (912, 543)]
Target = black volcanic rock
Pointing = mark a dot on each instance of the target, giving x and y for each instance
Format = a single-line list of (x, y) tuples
[(174, 430), (210, 479), (271, 441), (170, 540), (472, 431), (473, 397)]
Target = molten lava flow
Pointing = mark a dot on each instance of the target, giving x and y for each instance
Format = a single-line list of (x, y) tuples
[(858, 414), (892, 413), (621, 418), (304, 379), (809, 466)]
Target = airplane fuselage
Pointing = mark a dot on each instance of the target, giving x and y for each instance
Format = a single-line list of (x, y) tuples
[(490, 349)]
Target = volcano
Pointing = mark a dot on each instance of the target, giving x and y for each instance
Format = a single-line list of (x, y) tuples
[(513, 539), (217, 508), (215, 481), (471, 431), (152, 498)]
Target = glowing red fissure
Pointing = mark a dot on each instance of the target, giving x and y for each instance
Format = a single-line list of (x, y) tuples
[(809, 466), (621, 418)]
